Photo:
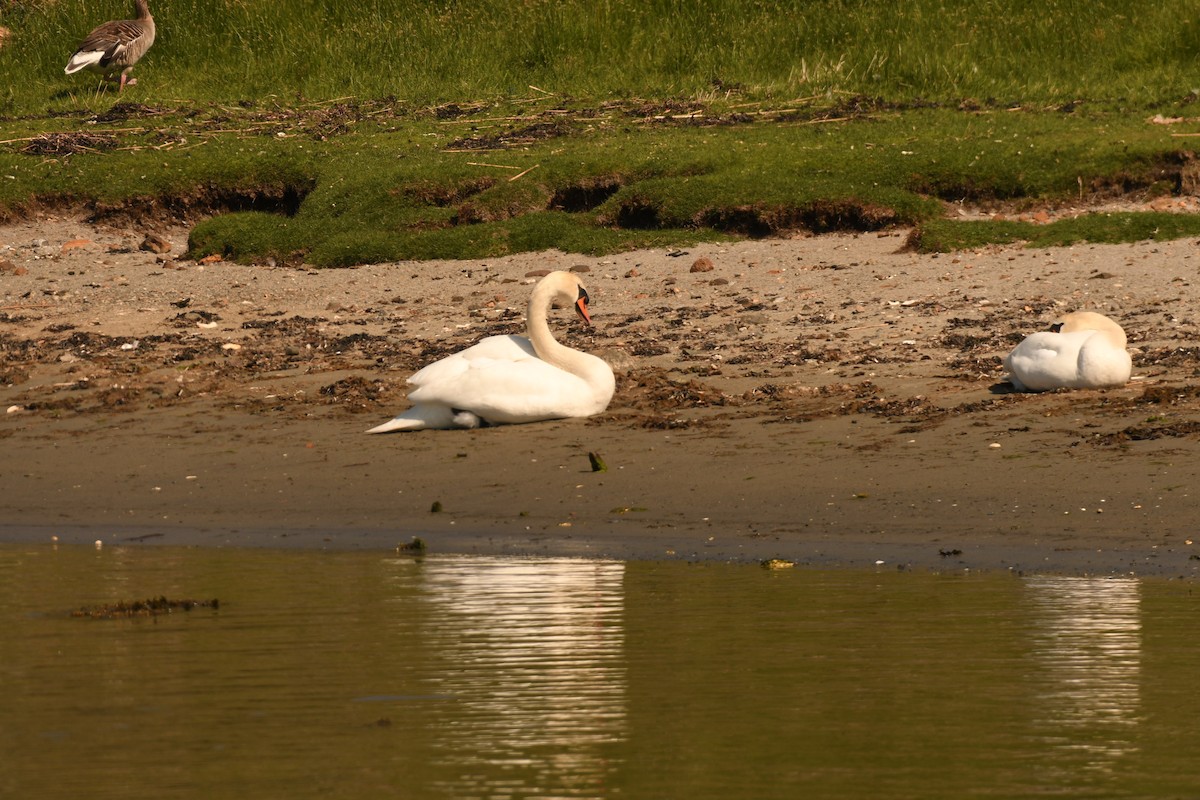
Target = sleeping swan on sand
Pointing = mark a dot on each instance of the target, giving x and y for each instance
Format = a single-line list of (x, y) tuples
[(1085, 351), (511, 379)]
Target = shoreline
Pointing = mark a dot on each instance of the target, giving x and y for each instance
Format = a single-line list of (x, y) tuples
[(639, 545), (909, 507)]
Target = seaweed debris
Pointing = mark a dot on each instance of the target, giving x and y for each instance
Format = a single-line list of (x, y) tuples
[(152, 607)]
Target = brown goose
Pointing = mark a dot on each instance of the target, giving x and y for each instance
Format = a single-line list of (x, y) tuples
[(116, 46)]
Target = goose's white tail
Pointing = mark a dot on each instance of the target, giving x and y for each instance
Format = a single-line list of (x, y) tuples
[(83, 60)]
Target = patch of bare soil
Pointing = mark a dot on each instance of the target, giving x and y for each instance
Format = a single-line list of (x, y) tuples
[(766, 333)]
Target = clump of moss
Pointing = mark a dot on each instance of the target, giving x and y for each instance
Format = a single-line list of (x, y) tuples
[(943, 235)]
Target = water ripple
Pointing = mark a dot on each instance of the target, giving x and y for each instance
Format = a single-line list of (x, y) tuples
[(1087, 643), (534, 652)]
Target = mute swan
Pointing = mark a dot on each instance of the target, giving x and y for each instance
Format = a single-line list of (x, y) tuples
[(512, 379), (116, 46), (1085, 351)]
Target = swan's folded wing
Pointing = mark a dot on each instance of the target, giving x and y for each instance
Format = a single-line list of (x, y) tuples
[(506, 392), (503, 349), (1046, 360), (1104, 363)]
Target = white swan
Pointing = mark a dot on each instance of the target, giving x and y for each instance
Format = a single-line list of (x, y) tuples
[(512, 379), (1085, 351)]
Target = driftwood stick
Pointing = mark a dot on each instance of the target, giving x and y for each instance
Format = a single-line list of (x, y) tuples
[(485, 164), (522, 174), (25, 306), (473, 121)]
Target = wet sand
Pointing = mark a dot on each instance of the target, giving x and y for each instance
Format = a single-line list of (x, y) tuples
[(828, 400)]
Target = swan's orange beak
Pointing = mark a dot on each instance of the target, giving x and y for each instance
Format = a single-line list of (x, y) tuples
[(581, 305)]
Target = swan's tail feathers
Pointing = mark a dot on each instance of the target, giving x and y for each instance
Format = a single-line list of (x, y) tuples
[(400, 424), (467, 419), (430, 415)]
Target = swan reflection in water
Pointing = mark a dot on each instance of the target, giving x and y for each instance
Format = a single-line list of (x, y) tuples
[(1087, 641), (532, 651)]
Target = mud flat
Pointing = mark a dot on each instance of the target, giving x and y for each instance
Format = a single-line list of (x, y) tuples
[(828, 400)]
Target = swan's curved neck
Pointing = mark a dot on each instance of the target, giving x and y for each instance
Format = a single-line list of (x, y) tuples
[(544, 344), (595, 374)]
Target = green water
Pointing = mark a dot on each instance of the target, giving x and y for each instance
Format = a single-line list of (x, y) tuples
[(353, 675)]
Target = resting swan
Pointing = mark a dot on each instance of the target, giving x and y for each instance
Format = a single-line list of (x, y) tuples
[(512, 379), (1085, 351)]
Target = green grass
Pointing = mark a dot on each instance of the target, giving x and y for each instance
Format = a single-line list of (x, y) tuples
[(945, 235), (423, 52), (337, 133), (670, 184)]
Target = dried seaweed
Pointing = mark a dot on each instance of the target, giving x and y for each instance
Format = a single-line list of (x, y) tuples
[(151, 607)]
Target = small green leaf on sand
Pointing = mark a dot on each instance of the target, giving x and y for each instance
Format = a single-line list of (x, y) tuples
[(598, 464), (778, 563), (436, 507)]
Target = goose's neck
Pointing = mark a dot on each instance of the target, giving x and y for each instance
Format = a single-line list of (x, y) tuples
[(143, 9)]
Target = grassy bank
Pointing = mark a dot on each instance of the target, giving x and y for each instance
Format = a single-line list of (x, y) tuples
[(337, 133), (420, 52)]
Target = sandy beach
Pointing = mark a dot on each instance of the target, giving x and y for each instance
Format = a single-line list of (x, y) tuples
[(831, 400)]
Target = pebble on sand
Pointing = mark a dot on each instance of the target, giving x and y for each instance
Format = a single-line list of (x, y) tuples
[(153, 243)]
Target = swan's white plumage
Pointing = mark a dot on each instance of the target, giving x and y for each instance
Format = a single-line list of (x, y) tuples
[(1087, 352), (511, 379)]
